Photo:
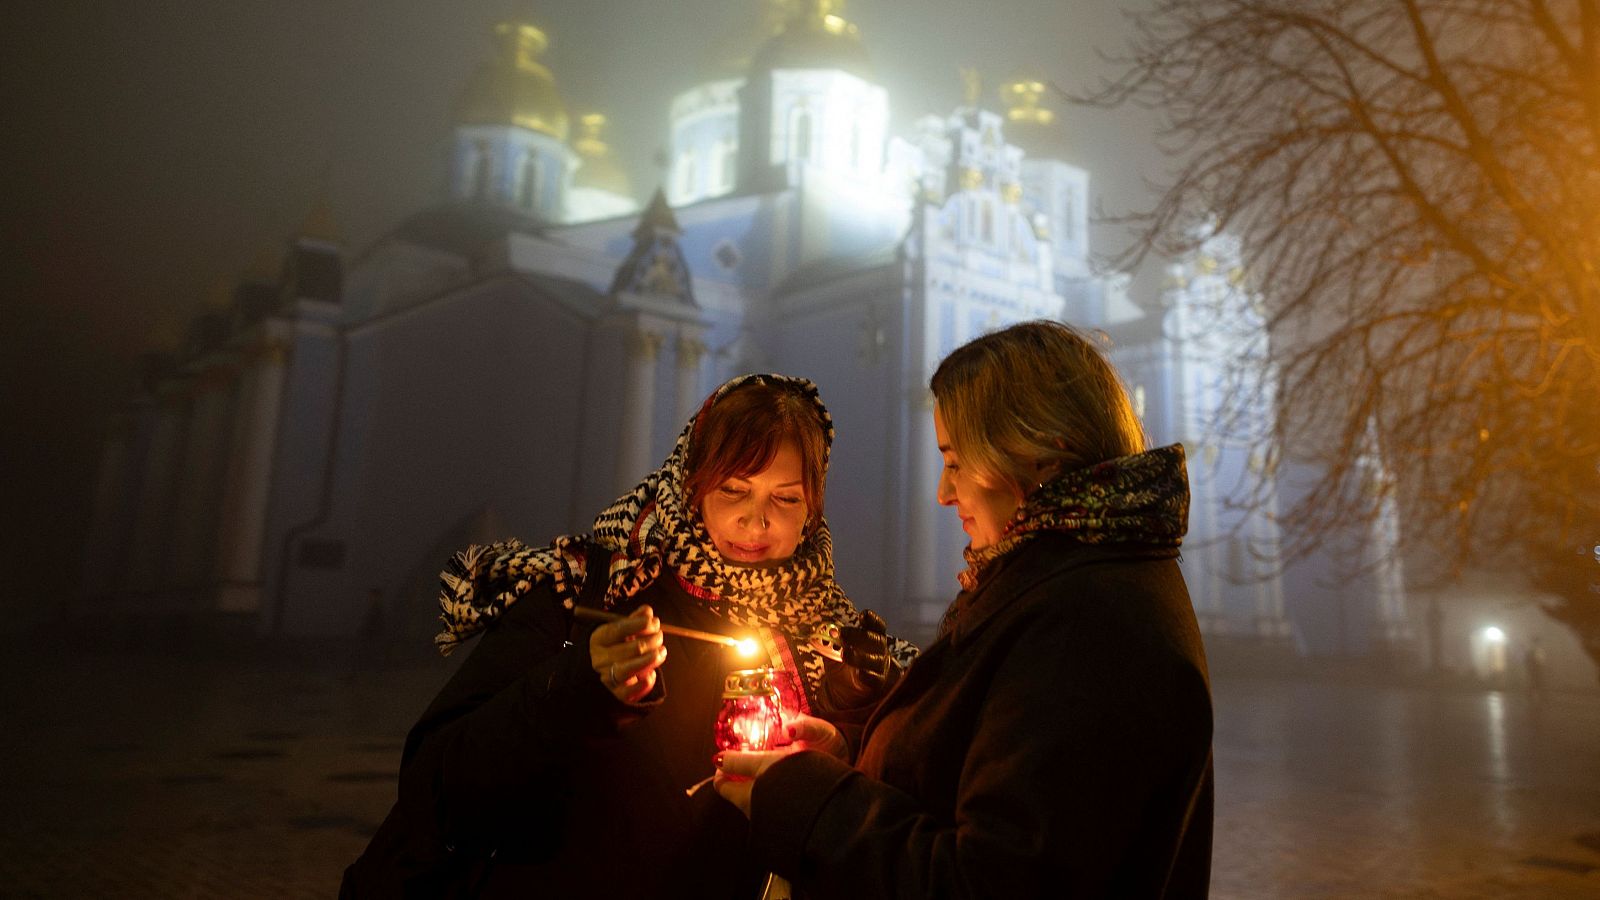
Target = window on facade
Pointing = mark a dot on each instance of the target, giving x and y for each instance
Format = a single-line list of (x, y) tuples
[(988, 222), (686, 174), (800, 128), (730, 159), (532, 174)]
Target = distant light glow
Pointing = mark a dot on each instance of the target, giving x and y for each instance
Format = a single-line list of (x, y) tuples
[(1494, 635)]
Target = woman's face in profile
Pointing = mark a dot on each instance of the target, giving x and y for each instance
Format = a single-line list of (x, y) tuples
[(985, 511), (759, 518)]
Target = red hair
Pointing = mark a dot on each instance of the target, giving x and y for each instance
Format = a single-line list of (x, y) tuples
[(740, 434)]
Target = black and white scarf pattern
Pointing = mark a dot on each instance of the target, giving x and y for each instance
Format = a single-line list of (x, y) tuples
[(650, 531)]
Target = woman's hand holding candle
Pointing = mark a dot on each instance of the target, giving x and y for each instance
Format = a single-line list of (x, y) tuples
[(737, 771), (626, 653)]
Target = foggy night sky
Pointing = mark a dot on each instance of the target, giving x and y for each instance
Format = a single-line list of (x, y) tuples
[(154, 150)]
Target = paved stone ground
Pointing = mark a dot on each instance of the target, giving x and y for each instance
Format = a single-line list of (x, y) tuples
[(137, 776)]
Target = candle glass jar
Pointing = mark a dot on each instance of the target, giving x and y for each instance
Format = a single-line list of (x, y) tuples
[(751, 717)]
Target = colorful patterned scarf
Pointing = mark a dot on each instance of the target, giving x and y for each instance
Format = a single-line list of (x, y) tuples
[(1143, 498), (650, 530)]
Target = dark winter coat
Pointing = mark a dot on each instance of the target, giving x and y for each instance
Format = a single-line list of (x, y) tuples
[(1056, 743), (527, 778)]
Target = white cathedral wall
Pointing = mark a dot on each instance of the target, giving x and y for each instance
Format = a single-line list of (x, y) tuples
[(590, 204), (849, 337), (841, 215), (849, 120), (1061, 193), (705, 141), (300, 462)]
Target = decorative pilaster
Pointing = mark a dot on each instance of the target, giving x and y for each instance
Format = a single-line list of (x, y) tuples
[(204, 464), (111, 528), (690, 355), (242, 527), (153, 523), (638, 406)]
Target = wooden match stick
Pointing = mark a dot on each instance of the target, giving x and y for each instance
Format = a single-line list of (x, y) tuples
[(600, 615)]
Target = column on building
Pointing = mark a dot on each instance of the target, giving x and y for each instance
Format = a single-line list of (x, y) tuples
[(643, 340), (689, 356), (204, 464), (241, 528), (1207, 543), (1271, 622), (149, 567), (115, 498), (1393, 627)]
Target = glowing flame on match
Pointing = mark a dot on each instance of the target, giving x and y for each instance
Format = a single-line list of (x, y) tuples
[(746, 647)]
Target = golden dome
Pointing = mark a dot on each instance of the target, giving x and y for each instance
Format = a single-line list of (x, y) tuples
[(732, 54), (1030, 124), (515, 88), (598, 168), (817, 38)]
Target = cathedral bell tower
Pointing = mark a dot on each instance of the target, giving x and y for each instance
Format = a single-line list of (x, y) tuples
[(511, 132), (811, 103)]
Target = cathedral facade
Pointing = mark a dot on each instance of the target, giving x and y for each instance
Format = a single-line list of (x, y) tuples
[(508, 361)]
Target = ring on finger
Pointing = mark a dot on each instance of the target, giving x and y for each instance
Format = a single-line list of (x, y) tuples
[(614, 675)]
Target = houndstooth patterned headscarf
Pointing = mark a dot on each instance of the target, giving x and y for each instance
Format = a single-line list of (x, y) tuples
[(650, 531)]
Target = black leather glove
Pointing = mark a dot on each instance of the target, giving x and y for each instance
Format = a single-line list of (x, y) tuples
[(865, 648), (860, 670)]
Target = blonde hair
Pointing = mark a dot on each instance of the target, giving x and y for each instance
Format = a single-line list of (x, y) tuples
[(1035, 393)]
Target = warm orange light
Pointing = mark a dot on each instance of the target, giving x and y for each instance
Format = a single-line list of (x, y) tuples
[(746, 647), (751, 717)]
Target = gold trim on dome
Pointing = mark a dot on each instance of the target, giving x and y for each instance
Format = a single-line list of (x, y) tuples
[(971, 179), (1022, 102), (589, 143), (598, 168), (1011, 193), (515, 88), (971, 86)]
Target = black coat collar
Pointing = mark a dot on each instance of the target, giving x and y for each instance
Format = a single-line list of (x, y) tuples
[(1045, 556)]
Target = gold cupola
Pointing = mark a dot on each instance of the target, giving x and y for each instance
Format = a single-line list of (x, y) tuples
[(599, 168), (1030, 123), (733, 52), (515, 88), (817, 37)]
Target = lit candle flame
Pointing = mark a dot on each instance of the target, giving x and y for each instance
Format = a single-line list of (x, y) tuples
[(746, 647)]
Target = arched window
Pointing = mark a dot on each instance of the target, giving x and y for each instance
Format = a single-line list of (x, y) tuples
[(530, 191), (685, 175), (988, 222), (482, 166)]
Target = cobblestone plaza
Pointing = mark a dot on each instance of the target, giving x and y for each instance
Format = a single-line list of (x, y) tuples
[(262, 776)]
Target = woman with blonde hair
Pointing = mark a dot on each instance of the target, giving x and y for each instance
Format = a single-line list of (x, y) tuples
[(1055, 740)]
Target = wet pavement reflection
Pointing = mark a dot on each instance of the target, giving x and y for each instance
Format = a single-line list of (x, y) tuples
[(1330, 788), (251, 775)]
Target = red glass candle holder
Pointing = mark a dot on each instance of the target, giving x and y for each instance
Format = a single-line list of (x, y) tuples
[(751, 717)]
